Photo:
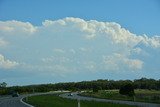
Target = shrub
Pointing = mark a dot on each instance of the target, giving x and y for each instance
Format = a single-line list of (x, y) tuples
[(127, 89)]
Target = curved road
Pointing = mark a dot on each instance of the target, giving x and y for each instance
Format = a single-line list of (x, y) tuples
[(139, 104), (10, 101)]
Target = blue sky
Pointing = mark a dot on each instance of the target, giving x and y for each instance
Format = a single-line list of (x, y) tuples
[(47, 41), (138, 16)]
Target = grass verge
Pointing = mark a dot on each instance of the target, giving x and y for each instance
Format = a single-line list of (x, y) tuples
[(151, 96), (56, 101)]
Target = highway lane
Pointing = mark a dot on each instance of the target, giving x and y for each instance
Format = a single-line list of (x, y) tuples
[(139, 104), (9, 101), (12, 102)]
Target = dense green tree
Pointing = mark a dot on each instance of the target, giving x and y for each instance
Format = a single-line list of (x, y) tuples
[(95, 85), (3, 85), (96, 88), (127, 89)]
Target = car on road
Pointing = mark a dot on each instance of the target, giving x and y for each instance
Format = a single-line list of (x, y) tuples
[(70, 94), (15, 94)]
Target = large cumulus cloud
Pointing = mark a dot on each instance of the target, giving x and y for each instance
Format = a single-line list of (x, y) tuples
[(76, 45)]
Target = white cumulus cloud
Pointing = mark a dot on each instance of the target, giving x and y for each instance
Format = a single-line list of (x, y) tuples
[(76, 43), (7, 64), (121, 63), (3, 42), (14, 28)]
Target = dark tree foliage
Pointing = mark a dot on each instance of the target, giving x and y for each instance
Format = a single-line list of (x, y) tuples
[(95, 85), (127, 89), (3, 85), (96, 88)]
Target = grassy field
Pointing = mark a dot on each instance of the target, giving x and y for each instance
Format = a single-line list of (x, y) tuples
[(55, 101), (141, 95)]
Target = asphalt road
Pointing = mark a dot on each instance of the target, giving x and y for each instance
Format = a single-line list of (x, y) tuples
[(10, 101), (139, 104)]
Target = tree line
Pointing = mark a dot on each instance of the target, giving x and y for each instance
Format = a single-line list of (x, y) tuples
[(99, 84)]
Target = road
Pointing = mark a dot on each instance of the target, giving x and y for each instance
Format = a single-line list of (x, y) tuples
[(10, 101), (139, 104)]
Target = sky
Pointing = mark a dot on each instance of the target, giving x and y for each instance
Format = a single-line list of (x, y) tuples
[(50, 41)]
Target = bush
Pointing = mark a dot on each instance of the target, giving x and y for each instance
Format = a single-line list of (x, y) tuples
[(127, 89), (96, 88)]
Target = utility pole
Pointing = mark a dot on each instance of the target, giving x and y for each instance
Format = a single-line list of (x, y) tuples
[(33, 90), (27, 98), (79, 105), (134, 98)]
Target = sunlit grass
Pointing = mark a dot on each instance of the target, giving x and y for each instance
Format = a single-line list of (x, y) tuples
[(56, 101), (140, 95)]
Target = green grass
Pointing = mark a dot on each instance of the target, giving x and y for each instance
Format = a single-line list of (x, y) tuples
[(55, 101), (152, 96)]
